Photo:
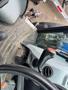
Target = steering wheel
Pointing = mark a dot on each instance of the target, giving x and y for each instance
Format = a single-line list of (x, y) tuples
[(31, 74)]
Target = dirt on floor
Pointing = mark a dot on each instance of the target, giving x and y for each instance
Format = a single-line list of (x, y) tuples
[(48, 13)]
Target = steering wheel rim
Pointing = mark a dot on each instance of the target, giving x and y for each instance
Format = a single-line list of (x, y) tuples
[(30, 73)]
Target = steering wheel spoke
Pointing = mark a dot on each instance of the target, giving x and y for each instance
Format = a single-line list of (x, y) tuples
[(22, 71)]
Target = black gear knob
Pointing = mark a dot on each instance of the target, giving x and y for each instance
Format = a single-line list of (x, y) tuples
[(3, 35)]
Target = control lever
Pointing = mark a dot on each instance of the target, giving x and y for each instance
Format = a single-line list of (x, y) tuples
[(46, 55)]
